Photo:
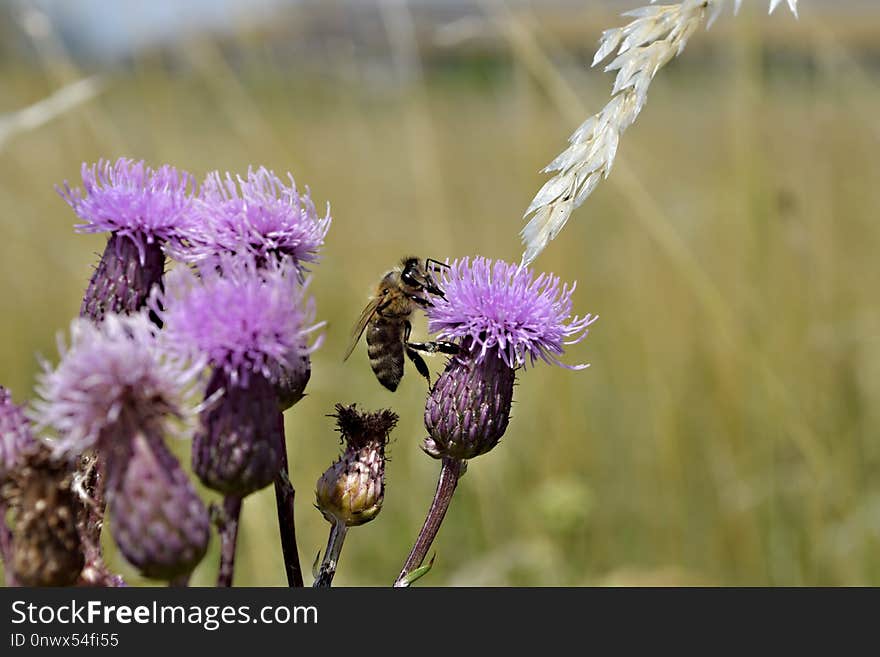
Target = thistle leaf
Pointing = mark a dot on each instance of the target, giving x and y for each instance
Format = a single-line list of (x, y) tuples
[(418, 573)]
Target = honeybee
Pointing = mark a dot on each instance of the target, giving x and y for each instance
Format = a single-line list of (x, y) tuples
[(386, 321)]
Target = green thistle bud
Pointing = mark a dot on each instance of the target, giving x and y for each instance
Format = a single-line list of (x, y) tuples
[(351, 491)]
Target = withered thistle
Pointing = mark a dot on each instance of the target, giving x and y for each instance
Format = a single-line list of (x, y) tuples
[(44, 547), (352, 489), (504, 318)]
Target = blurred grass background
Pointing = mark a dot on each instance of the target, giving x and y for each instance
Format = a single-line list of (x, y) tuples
[(726, 432)]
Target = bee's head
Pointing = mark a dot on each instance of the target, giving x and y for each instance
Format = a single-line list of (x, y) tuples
[(416, 275)]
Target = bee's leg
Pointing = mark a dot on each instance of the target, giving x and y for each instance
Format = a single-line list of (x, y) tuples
[(420, 363), (414, 356), (380, 309), (421, 301), (437, 346), (447, 347), (431, 267)]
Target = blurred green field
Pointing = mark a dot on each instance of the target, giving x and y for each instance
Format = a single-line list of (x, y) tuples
[(727, 430)]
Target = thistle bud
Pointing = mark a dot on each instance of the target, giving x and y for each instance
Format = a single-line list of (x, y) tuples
[(290, 381), (237, 448), (351, 491), (468, 408), (46, 546), (121, 282), (159, 522)]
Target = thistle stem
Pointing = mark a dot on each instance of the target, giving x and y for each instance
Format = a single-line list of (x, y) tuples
[(93, 471), (450, 472), (284, 500), (96, 573), (228, 539), (181, 581), (331, 555)]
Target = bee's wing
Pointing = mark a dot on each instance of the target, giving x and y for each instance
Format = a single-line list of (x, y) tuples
[(361, 324)]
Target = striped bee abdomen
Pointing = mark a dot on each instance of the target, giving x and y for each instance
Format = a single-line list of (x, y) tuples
[(385, 349)]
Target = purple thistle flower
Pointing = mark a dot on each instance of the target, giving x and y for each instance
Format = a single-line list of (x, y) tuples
[(502, 317), (116, 391), (130, 199), (141, 209), (245, 320), (505, 309), (259, 216), (253, 326), (112, 376), (16, 436)]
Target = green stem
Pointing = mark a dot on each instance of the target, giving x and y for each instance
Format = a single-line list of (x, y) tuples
[(450, 472), (181, 581), (331, 555), (284, 498), (228, 539)]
